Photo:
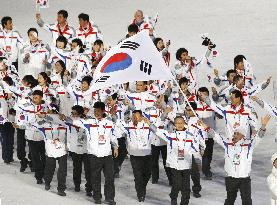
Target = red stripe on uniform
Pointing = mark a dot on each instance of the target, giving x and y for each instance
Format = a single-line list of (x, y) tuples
[(175, 139), (234, 113)]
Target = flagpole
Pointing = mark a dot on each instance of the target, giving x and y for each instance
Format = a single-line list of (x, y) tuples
[(175, 81)]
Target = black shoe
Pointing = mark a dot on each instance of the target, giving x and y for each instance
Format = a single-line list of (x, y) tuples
[(61, 193), (141, 198), (110, 202), (196, 195), (7, 162), (208, 176), (39, 181), (89, 194), (24, 164), (116, 175), (23, 167), (173, 201), (47, 187), (98, 201), (77, 188)]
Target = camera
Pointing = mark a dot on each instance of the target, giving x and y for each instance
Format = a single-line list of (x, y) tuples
[(12, 111), (207, 41)]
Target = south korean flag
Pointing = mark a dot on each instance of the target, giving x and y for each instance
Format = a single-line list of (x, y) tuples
[(134, 59), (42, 4)]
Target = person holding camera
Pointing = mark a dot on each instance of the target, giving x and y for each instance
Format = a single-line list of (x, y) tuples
[(187, 66)]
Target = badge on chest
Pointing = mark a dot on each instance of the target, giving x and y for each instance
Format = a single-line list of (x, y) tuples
[(8, 49), (181, 154), (101, 140)]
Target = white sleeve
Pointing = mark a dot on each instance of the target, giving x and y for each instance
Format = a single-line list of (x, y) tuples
[(161, 133), (271, 109), (113, 138), (218, 138), (272, 185)]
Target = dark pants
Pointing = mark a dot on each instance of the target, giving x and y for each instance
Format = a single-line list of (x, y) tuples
[(37, 149), (195, 176), (7, 141), (156, 150), (78, 160), (49, 171), (208, 156), (142, 172), (180, 182), (122, 153), (97, 164), (232, 187), (21, 145), (15, 64)]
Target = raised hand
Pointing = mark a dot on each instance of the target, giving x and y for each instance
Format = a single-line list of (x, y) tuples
[(38, 16), (115, 152), (168, 109), (268, 79), (202, 124), (146, 121), (254, 98), (216, 73), (61, 116), (265, 120), (15, 125), (214, 91)]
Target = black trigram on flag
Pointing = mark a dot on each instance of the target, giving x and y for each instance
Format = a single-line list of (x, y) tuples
[(102, 79), (145, 67), (130, 44)]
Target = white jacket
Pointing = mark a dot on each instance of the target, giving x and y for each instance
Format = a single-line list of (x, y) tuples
[(3, 107), (48, 93), (119, 115), (206, 114), (79, 65), (154, 115), (237, 119), (100, 137), (62, 97), (11, 42), (142, 100), (200, 135), (54, 136), (138, 138), (38, 53), (180, 147), (190, 71), (85, 99), (88, 35), (272, 181), (238, 157), (68, 32), (76, 140), (26, 117), (178, 102), (59, 54)]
